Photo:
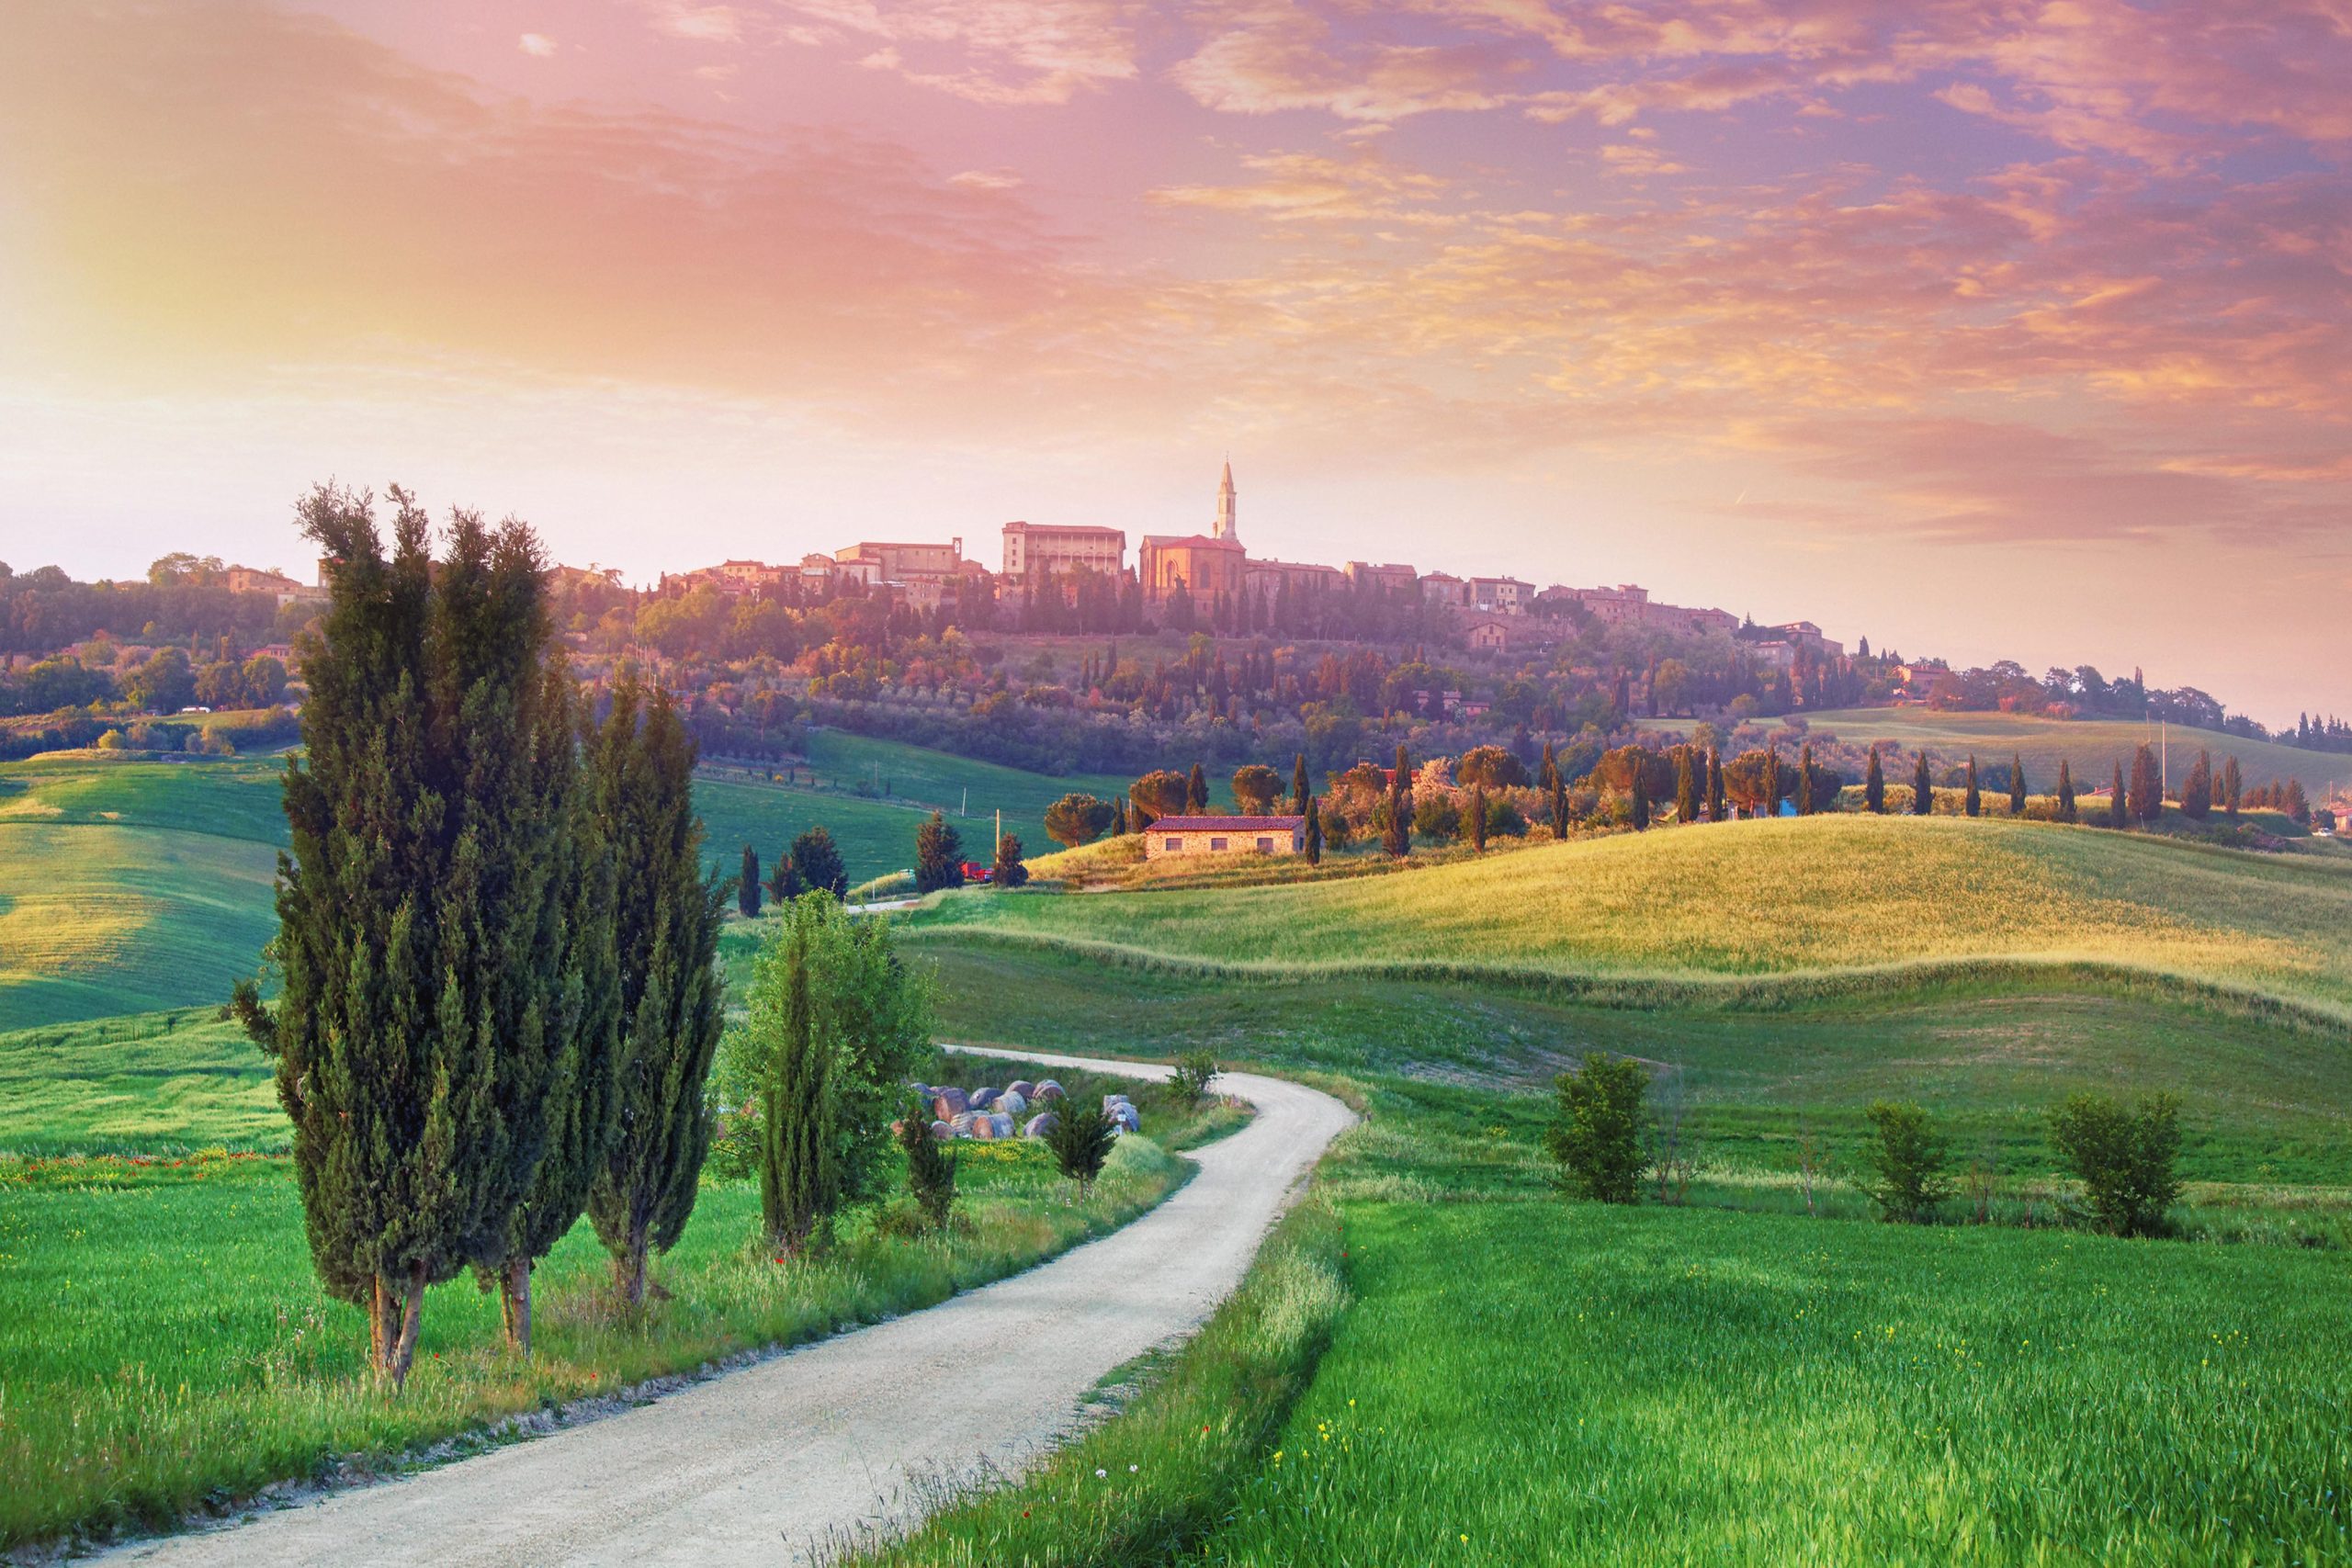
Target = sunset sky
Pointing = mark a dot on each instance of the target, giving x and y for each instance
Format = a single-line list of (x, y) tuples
[(1982, 329)]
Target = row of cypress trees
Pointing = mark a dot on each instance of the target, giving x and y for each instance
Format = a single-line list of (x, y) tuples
[(497, 1001)]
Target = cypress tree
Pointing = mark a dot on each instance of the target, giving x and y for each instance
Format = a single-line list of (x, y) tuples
[(1549, 773), (799, 1179), (426, 1037), (2233, 786), (1806, 804), (1641, 799), (2065, 792), (1874, 785), (1314, 832), (1119, 826), (1716, 804), (1299, 794), (2117, 809), (1972, 800), (1478, 818), (2017, 784), (1559, 806), (1197, 791), (2197, 789), (1686, 786), (785, 880), (641, 765), (939, 855), (1398, 838), (747, 884), (1007, 871), (1771, 781), (1923, 789), (818, 861), (2147, 796)]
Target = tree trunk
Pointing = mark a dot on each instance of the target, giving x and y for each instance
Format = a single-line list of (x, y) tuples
[(515, 1304), (404, 1349), (383, 1326), (629, 1269)]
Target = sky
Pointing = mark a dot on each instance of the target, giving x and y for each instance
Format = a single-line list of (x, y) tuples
[(1983, 330)]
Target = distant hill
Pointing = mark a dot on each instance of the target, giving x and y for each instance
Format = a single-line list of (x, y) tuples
[(2091, 747), (1755, 911), (131, 886)]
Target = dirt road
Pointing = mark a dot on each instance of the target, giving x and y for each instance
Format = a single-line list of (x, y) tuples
[(764, 1464)]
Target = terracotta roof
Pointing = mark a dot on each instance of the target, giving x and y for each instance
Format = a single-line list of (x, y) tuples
[(1226, 824)]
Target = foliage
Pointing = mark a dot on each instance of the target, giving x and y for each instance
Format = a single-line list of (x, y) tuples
[(664, 932), (1907, 1160), (816, 861), (1160, 794), (747, 884), (1076, 820), (1007, 872), (1194, 1071), (939, 855), (2125, 1159), (1081, 1141), (1255, 787), (1596, 1133), (931, 1168), (2147, 793), (420, 921)]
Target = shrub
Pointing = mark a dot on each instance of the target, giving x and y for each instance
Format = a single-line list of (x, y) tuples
[(1080, 1142), (1597, 1134), (2123, 1158), (1195, 1070), (1908, 1160), (931, 1169)]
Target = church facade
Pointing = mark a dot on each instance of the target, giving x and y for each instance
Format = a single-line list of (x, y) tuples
[(1203, 565)]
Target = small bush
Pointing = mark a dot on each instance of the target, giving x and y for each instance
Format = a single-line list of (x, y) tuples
[(1908, 1160), (931, 1169), (1080, 1142), (2123, 1158), (902, 1219), (1597, 1136), (1195, 1070)]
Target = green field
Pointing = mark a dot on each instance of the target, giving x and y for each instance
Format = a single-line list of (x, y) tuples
[(2091, 747), (161, 1083), (1758, 911), (127, 886)]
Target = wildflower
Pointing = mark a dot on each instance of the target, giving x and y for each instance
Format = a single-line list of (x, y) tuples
[(1131, 1469), (1100, 1474)]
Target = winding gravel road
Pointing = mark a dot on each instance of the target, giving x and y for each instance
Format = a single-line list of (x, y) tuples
[(770, 1464)]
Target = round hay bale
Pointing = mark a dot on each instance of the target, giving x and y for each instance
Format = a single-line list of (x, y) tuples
[(1044, 1122)]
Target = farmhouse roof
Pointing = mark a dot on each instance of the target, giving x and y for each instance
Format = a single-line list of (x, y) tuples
[(1224, 823)]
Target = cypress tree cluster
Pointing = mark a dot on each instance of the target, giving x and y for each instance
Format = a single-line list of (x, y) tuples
[(450, 1036)]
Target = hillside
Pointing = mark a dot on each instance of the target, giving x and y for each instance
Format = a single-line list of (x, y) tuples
[(1828, 901), (131, 886), (2092, 746)]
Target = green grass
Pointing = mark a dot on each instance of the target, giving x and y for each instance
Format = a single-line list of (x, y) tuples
[(163, 1342), (127, 885), (2262, 1103), (1758, 911), (2091, 747), (942, 779), (167, 1083), (102, 920), (1544, 1382)]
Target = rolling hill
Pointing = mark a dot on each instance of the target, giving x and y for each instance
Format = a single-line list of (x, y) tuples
[(2091, 747), (127, 886), (1754, 910)]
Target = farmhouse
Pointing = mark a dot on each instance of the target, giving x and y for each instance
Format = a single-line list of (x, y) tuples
[(1173, 836)]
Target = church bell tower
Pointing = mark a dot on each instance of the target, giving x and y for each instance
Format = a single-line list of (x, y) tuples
[(1224, 504)]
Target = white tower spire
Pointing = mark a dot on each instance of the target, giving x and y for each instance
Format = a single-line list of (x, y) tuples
[(1224, 506)]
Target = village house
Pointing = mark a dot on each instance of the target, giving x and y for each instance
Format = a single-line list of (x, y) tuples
[(1183, 836), (1386, 578), (1051, 549)]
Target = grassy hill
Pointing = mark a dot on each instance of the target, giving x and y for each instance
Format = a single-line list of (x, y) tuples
[(2092, 746), (1820, 905), (127, 886)]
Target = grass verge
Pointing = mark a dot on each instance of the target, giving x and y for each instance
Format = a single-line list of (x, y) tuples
[(164, 1346), (1157, 1481)]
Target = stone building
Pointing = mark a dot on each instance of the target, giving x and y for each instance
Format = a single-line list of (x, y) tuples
[(1049, 548), (1184, 836), (1204, 564)]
